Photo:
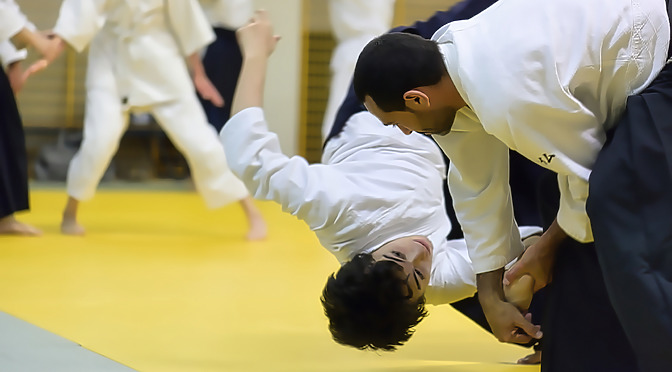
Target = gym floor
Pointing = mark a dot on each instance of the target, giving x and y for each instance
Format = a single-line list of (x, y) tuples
[(160, 283)]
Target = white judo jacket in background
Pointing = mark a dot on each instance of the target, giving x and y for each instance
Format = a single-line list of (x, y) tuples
[(228, 14), (9, 54), (374, 185), (548, 88), (143, 70), (354, 23), (12, 20)]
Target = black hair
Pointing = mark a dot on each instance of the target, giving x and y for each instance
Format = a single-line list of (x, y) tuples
[(368, 305), (393, 64)]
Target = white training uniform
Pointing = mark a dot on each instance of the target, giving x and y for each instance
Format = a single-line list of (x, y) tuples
[(354, 23), (228, 14), (374, 185), (137, 60), (9, 54), (12, 20), (551, 88)]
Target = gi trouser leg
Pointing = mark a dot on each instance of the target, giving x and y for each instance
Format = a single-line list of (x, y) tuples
[(185, 123), (105, 121)]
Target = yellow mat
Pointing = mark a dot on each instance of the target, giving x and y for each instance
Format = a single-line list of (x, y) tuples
[(160, 283)]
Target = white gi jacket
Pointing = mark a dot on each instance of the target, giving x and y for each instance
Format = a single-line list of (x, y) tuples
[(354, 23), (228, 14), (9, 54), (121, 58), (12, 20), (374, 185), (549, 87)]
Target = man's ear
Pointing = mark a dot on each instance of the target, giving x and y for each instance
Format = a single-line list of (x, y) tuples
[(416, 100)]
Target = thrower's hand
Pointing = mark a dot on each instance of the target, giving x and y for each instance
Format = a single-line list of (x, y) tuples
[(519, 293), (538, 259), (507, 322)]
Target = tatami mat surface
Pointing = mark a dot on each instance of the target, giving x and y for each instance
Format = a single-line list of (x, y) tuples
[(160, 283)]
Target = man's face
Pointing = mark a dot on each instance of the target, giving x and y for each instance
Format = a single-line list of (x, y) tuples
[(414, 255), (427, 120)]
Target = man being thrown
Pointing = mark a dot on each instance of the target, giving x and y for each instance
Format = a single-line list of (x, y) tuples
[(390, 237), (551, 87)]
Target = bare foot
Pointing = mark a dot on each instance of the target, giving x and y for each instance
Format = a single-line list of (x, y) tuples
[(69, 226), (534, 358), (258, 230), (10, 226)]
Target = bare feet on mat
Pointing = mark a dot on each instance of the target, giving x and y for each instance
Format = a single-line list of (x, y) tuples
[(534, 358), (69, 226), (10, 226), (258, 230)]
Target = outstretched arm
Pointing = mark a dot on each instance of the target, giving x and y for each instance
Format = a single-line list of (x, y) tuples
[(257, 42), (254, 153)]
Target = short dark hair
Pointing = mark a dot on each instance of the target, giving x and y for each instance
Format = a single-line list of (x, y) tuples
[(393, 64), (368, 305)]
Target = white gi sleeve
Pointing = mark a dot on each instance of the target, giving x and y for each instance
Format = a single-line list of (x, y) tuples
[(254, 155), (572, 216), (229, 14), (559, 124), (190, 26), (9, 54), (11, 19), (478, 178), (452, 278), (80, 20)]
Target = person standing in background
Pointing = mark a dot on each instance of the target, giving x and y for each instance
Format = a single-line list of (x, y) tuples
[(15, 31), (137, 62), (221, 61), (354, 23)]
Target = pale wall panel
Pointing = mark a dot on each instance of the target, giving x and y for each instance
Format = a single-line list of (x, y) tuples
[(283, 87)]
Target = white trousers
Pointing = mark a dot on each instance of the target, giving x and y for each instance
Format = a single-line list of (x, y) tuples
[(183, 120), (354, 23)]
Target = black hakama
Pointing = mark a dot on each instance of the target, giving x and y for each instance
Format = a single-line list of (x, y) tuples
[(630, 208), (13, 161), (581, 330), (222, 63)]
